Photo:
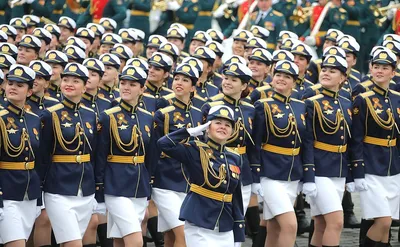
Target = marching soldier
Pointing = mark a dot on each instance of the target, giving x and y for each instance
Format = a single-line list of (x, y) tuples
[(123, 52), (302, 57), (10, 31), (109, 81), (67, 27), (206, 158), (123, 167), (187, 15), (140, 12), (377, 110), (90, 97), (69, 134), (8, 61), (259, 64), (19, 160), (57, 60), (28, 49), (171, 181), (55, 32), (153, 44), (20, 25), (108, 40), (282, 153), (159, 68), (352, 25), (203, 20), (352, 48), (326, 182), (98, 33), (240, 38)]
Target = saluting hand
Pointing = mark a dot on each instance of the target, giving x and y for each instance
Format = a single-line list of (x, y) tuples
[(198, 131)]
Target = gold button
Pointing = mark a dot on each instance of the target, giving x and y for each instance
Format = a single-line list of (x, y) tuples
[(206, 98), (75, 114), (81, 143), (224, 182), (389, 109), (335, 102), (1, 193), (238, 145), (292, 142), (80, 152), (26, 158), (111, 96), (21, 120), (338, 110), (313, 169), (26, 149), (287, 107), (236, 109), (342, 137), (133, 116), (93, 105), (290, 114), (355, 165), (189, 125), (341, 127), (240, 138), (203, 91), (301, 88), (221, 156), (81, 133), (293, 132), (23, 129), (386, 100), (78, 159), (187, 115), (157, 96), (240, 226), (362, 164), (241, 128), (26, 165), (58, 95), (41, 107), (78, 123), (258, 169), (239, 118), (388, 137), (306, 169)]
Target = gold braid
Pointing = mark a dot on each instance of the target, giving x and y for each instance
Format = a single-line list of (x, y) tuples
[(121, 145), (60, 138), (283, 132), (7, 143), (205, 164), (384, 124), (332, 126)]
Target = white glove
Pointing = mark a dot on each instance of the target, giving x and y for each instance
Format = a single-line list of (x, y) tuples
[(100, 209), (14, 3), (173, 5), (351, 187), (220, 11), (299, 188), (1, 214), (360, 184), (198, 131), (237, 244), (257, 190), (310, 189), (390, 14), (310, 41)]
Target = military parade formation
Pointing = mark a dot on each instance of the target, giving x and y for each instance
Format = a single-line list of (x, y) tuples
[(198, 122)]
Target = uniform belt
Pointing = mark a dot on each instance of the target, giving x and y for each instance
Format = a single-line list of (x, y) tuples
[(281, 150), (17, 165), (58, 12), (380, 141), (139, 12), (205, 13), (239, 150), (353, 23), (271, 46), (125, 159), (211, 194), (71, 158), (330, 148), (188, 26)]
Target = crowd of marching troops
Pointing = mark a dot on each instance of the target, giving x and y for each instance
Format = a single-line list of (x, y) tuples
[(107, 132)]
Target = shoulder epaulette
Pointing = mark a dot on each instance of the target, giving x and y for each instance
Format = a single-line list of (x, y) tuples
[(315, 97), (31, 113), (87, 108), (169, 96), (214, 103), (116, 89), (295, 90), (367, 94), (231, 151), (277, 13), (201, 144), (218, 74), (3, 112), (148, 95), (366, 83), (167, 109), (217, 97), (104, 99), (318, 61), (144, 111), (316, 86), (112, 110), (308, 81), (118, 99), (55, 107), (246, 104), (355, 71), (211, 85), (394, 92), (392, 82), (199, 97), (342, 10), (266, 100), (259, 89), (167, 89), (51, 98), (297, 100), (354, 77)]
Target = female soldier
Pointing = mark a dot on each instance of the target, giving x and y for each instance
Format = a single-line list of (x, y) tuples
[(69, 134), (170, 176), (328, 121), (19, 158), (212, 210), (122, 173), (235, 88), (280, 128), (374, 155)]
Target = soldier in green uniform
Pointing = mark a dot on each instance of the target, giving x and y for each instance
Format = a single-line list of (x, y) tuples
[(225, 14), (113, 9), (140, 12), (203, 21), (51, 9), (286, 8), (187, 15), (352, 25), (4, 12)]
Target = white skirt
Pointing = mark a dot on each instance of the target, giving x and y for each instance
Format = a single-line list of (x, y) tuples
[(382, 197), (169, 204), (197, 236), (279, 196), (19, 218), (125, 215), (246, 195), (329, 195), (69, 215)]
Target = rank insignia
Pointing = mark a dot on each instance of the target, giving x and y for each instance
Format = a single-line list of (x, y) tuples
[(376, 103), (64, 115), (356, 111), (303, 118), (147, 129), (250, 123), (11, 123), (178, 116), (121, 119), (89, 127), (36, 133), (349, 112)]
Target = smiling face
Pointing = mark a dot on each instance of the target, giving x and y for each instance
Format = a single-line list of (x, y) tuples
[(104, 48), (283, 83), (193, 45), (150, 51), (39, 85), (93, 81), (302, 63), (331, 78), (232, 86), (382, 73), (130, 90), (238, 47), (72, 87), (17, 92), (220, 130), (26, 55), (182, 85), (259, 69), (156, 74)]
